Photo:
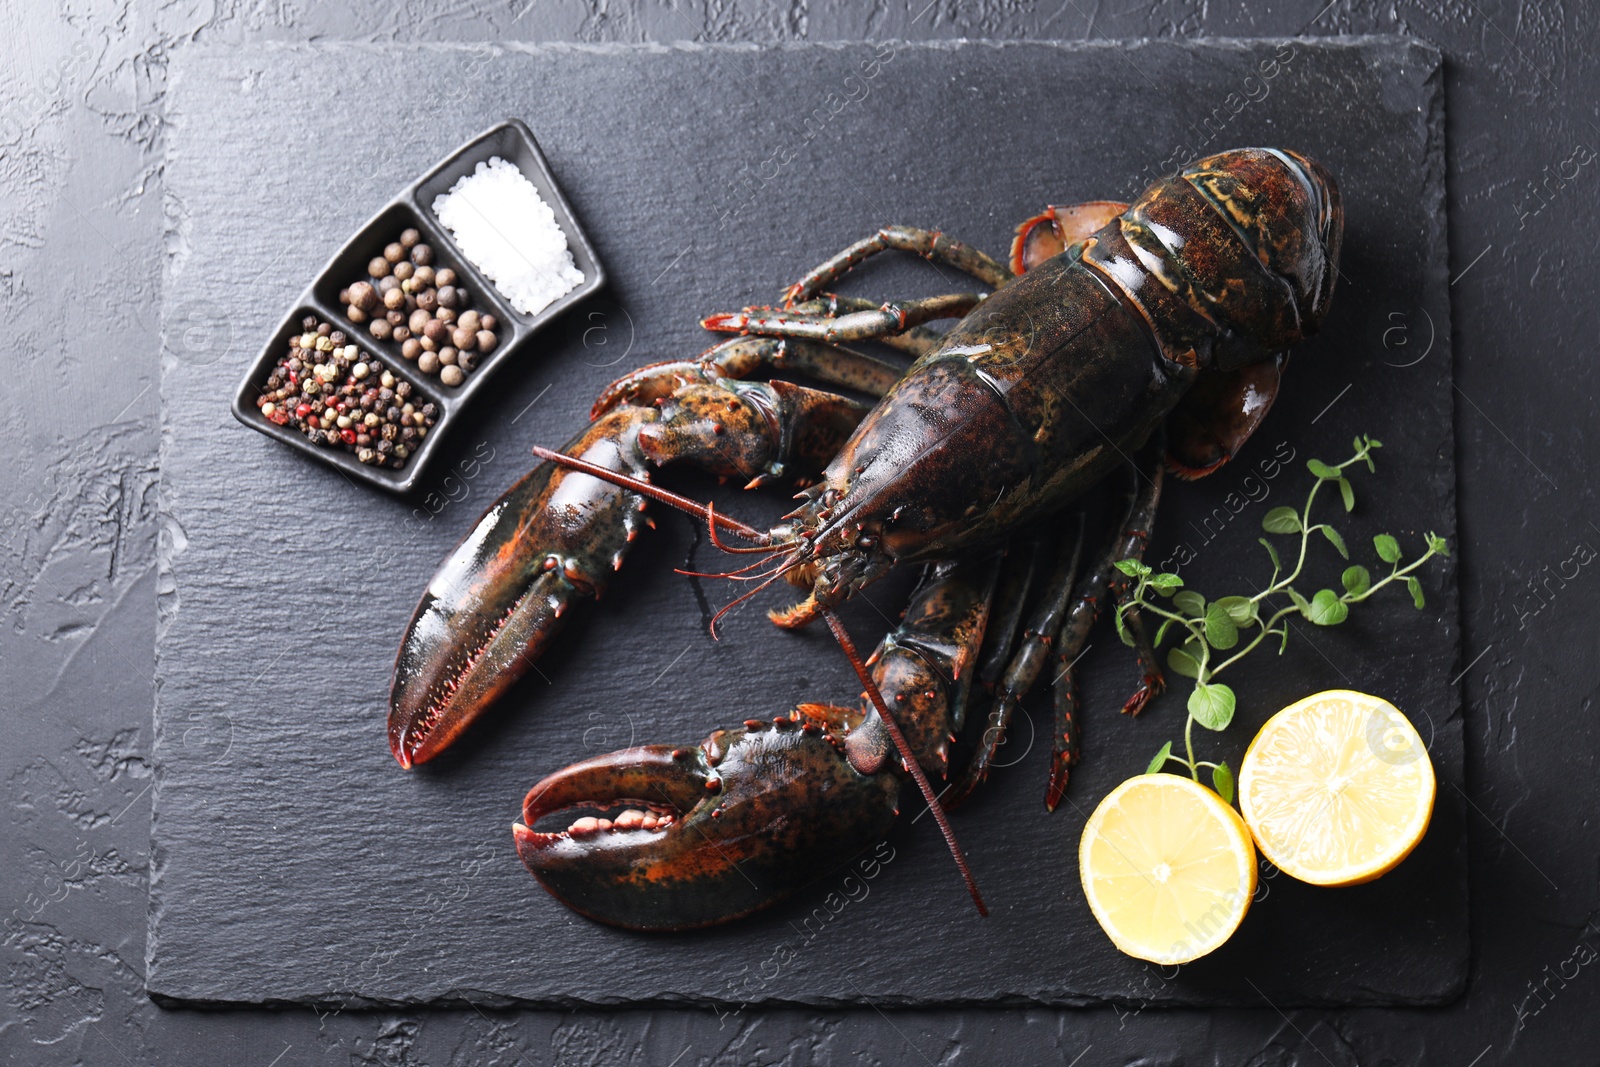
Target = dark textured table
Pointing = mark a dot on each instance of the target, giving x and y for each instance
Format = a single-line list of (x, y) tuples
[(88, 233), (288, 584)]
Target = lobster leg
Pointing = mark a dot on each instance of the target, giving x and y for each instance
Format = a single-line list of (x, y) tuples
[(1091, 596), (1026, 662), (891, 318), (1135, 537), (742, 357), (930, 244), (1022, 563), (915, 341)]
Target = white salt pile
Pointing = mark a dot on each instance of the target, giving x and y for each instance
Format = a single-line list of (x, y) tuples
[(500, 223)]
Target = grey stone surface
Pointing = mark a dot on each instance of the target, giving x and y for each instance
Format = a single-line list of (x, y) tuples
[(81, 168), (302, 865)]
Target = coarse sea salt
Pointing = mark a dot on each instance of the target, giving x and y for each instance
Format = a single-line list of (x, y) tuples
[(501, 224)]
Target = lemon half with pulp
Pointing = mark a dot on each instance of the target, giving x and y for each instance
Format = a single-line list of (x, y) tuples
[(1337, 788), (1167, 867)]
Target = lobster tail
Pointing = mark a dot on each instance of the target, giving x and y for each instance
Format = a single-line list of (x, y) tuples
[(1249, 239)]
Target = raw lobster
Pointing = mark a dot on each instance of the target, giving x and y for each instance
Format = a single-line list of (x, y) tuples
[(1131, 337)]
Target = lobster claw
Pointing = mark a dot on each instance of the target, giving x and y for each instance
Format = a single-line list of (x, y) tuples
[(710, 833)]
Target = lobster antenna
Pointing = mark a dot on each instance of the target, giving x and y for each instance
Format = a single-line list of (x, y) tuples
[(655, 492), (843, 637)]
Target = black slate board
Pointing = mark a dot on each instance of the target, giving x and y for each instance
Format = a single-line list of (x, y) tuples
[(292, 861)]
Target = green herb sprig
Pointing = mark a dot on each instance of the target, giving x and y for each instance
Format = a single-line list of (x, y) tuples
[(1212, 629)]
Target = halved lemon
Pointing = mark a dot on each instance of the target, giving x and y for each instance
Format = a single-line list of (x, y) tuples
[(1167, 867), (1337, 788)]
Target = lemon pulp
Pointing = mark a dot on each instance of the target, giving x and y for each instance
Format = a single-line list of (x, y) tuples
[(1337, 788), (1167, 867)]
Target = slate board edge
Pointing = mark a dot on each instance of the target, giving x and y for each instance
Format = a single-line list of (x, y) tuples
[(1436, 159), (496, 1001), (1434, 154), (1397, 41)]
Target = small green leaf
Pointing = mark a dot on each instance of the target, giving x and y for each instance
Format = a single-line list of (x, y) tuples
[(1132, 568), (1334, 539), (1321, 469), (1300, 602), (1277, 564), (1357, 580), (1221, 633), (1222, 782), (1348, 493), (1388, 548), (1183, 663), (1285, 646), (1281, 521), (1161, 759), (1190, 603), (1241, 609), (1161, 631), (1416, 592), (1212, 706), (1165, 583), (1438, 544), (1327, 609), (1122, 628)]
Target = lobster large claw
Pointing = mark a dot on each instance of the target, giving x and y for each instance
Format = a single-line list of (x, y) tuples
[(556, 537), (710, 833), (553, 539)]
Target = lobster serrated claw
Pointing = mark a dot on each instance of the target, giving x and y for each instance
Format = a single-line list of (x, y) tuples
[(726, 828)]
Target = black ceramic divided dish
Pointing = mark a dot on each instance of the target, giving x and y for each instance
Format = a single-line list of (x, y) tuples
[(413, 208)]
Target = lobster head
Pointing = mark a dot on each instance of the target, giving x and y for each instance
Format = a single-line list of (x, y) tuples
[(1257, 233), (706, 834)]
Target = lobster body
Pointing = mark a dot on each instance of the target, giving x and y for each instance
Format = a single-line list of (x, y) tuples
[(1061, 375), (1142, 334)]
